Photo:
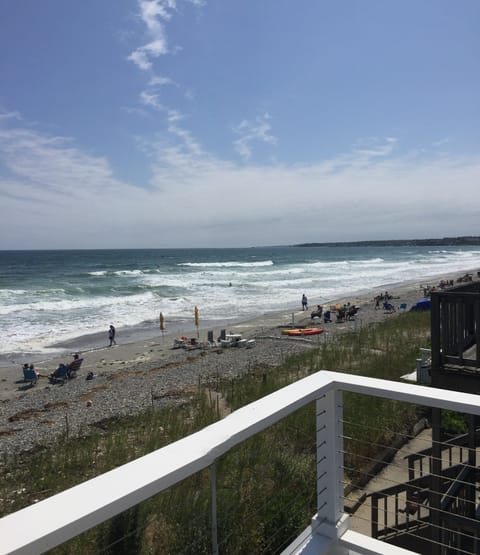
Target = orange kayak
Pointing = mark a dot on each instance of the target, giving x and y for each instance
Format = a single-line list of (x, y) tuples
[(303, 331)]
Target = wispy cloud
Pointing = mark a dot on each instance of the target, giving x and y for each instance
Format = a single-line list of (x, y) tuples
[(251, 132), (150, 97), (373, 146), (151, 100), (154, 14), (10, 115), (159, 80), (53, 165), (442, 142), (68, 197)]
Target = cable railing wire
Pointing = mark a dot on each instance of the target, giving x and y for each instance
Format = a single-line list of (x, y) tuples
[(374, 428), (442, 528), (253, 515), (428, 456), (419, 506), (352, 469), (443, 444), (234, 510)]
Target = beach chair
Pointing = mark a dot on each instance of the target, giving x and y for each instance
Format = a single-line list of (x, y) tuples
[(316, 314), (352, 311), (30, 375), (74, 367), (60, 374), (388, 308)]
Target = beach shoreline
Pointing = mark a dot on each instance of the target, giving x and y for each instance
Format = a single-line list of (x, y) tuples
[(131, 377), (149, 330), (94, 347)]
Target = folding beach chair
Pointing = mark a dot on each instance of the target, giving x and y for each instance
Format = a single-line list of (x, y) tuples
[(74, 367), (29, 375), (60, 374)]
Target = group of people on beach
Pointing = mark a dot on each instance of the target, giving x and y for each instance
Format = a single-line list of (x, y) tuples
[(67, 370), (64, 370), (382, 298), (345, 312)]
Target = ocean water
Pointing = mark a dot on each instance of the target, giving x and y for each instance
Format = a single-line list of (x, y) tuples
[(49, 299)]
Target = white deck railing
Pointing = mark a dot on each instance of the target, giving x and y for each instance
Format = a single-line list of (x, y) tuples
[(57, 519)]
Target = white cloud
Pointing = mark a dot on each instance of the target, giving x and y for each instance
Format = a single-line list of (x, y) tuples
[(53, 165), (154, 14), (150, 97), (159, 80), (251, 132), (174, 116), (10, 115), (151, 100), (153, 10), (140, 58), (373, 146), (56, 195), (442, 142)]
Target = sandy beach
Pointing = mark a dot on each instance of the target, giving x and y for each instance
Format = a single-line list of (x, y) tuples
[(131, 377)]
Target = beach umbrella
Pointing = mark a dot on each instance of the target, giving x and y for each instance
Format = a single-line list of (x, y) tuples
[(197, 321)]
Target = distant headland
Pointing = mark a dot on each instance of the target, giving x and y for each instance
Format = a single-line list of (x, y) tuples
[(445, 242)]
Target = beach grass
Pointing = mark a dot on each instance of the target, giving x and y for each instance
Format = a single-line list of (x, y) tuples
[(266, 486)]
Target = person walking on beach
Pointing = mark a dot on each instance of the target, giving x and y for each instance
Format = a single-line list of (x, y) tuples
[(111, 335), (304, 302)]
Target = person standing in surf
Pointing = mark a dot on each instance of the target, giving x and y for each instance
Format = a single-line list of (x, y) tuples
[(111, 335), (304, 302)]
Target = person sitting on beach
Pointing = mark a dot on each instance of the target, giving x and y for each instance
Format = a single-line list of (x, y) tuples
[(327, 317), (388, 307), (30, 367), (352, 310), (68, 370), (317, 313), (34, 370), (74, 366), (60, 371)]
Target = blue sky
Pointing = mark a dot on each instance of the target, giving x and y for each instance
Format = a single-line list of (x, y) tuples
[(211, 123)]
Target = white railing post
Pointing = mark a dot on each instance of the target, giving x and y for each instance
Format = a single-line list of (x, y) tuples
[(330, 520)]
